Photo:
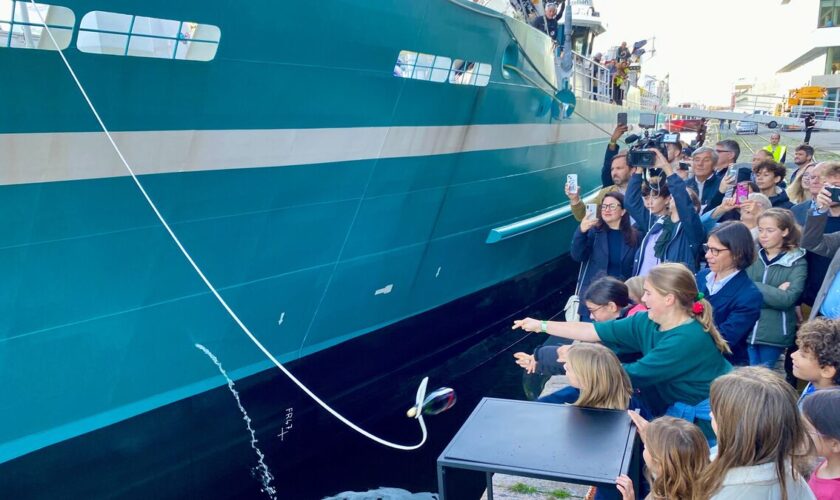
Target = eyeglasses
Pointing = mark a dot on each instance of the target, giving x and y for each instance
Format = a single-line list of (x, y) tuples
[(593, 310), (714, 251), (610, 206), (719, 151)]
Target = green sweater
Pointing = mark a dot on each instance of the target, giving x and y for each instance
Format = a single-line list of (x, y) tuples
[(677, 365)]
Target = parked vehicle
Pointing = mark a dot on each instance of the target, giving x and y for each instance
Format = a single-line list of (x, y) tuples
[(746, 128)]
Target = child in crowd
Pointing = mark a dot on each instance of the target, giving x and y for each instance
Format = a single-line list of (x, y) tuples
[(762, 441), (596, 372), (818, 359), (779, 272), (606, 299), (636, 288), (822, 419), (676, 453)]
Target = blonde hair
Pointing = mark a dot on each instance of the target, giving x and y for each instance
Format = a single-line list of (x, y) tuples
[(758, 422), (677, 280), (680, 452), (636, 288), (796, 192), (603, 381)]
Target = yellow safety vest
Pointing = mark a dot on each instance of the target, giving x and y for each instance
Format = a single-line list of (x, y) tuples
[(777, 153)]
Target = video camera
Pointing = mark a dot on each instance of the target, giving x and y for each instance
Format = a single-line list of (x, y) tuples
[(640, 154)]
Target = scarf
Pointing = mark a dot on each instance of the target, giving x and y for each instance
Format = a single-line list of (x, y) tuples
[(666, 227)]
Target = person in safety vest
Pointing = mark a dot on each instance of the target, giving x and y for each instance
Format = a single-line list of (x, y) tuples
[(774, 148)]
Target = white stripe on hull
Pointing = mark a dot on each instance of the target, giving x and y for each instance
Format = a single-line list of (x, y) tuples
[(48, 157)]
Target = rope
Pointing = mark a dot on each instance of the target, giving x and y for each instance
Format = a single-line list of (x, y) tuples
[(206, 281)]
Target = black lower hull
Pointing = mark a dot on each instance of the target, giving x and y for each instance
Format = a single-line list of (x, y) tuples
[(199, 447)]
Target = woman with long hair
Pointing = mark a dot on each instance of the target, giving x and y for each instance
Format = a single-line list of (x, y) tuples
[(798, 190), (762, 442), (779, 273), (605, 244), (681, 349)]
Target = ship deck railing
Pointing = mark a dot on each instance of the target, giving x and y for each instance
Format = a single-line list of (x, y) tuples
[(590, 79)]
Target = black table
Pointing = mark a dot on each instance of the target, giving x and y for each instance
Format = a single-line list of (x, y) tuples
[(540, 440)]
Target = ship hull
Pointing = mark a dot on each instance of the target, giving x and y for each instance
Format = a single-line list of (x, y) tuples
[(325, 198), (199, 447)]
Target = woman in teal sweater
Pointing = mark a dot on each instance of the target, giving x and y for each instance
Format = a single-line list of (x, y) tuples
[(682, 351)]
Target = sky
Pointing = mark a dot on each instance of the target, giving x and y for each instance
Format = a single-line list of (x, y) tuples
[(706, 45)]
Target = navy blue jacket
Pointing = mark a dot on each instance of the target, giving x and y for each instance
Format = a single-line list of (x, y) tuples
[(592, 246), (606, 168), (736, 309), (689, 235), (800, 211), (711, 196)]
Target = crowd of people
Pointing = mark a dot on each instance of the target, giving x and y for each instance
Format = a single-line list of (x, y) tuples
[(694, 291)]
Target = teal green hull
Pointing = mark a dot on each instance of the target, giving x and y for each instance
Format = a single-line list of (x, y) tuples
[(102, 311)]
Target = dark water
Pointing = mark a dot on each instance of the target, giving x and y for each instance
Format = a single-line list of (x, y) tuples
[(359, 464), (350, 462)]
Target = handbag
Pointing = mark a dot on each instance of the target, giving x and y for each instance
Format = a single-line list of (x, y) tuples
[(573, 304)]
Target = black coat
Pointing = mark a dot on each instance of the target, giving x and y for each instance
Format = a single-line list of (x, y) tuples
[(592, 250)]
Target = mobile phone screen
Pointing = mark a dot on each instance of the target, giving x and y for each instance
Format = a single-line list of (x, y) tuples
[(622, 118)]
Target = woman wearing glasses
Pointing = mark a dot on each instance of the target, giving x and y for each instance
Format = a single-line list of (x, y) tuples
[(604, 244), (735, 299)]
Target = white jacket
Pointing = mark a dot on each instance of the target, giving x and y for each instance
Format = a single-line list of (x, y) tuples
[(759, 482)]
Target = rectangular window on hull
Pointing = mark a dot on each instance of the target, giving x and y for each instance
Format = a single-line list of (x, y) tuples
[(429, 67), (126, 35), (20, 25)]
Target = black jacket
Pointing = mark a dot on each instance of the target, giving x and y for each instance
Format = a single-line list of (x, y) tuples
[(592, 250)]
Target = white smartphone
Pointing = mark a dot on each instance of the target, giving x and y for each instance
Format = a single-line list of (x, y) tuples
[(591, 211), (572, 182)]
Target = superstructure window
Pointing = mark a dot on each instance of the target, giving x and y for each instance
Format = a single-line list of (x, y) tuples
[(127, 35), (429, 67), (20, 25)]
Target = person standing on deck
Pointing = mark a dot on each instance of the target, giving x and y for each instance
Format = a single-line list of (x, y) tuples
[(547, 23), (778, 151)]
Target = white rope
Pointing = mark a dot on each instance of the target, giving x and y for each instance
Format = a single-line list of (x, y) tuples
[(207, 281)]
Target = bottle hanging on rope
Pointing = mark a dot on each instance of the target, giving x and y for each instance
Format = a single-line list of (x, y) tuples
[(436, 402)]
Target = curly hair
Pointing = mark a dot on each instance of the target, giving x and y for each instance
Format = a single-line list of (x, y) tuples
[(821, 336)]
